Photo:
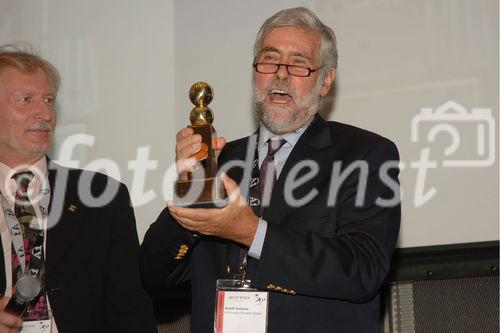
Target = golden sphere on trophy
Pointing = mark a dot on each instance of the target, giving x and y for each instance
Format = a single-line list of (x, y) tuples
[(201, 95)]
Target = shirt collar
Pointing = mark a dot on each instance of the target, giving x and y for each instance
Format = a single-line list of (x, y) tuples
[(39, 169), (290, 138)]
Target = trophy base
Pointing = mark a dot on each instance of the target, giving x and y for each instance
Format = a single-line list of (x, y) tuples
[(200, 193)]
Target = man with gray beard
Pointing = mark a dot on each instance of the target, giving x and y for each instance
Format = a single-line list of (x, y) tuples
[(313, 211)]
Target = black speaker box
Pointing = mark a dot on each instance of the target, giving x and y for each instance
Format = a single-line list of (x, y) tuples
[(445, 288)]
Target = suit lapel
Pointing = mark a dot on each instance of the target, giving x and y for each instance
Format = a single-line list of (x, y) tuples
[(311, 147), (237, 151), (65, 215)]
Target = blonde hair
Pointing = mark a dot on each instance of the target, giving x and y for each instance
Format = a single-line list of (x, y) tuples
[(24, 59)]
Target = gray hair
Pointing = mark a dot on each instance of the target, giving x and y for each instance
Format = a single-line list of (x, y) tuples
[(302, 17), (23, 58)]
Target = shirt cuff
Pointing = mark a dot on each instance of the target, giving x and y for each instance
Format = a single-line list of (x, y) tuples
[(258, 240)]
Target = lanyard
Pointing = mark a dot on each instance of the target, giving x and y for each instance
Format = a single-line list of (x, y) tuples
[(17, 237)]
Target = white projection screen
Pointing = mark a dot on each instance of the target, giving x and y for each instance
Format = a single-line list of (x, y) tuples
[(423, 73)]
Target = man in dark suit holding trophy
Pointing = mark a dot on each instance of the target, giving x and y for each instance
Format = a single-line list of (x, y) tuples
[(312, 214)]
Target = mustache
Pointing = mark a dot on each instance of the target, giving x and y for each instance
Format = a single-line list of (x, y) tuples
[(42, 126)]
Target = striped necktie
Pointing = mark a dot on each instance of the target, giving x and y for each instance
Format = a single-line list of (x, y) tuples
[(33, 237), (267, 172)]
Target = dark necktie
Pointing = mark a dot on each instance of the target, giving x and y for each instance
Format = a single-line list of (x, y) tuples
[(23, 209), (267, 178), (267, 173), (32, 240)]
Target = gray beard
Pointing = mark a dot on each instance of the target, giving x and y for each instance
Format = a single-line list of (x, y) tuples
[(296, 116)]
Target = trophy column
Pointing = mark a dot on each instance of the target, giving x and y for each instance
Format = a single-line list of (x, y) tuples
[(202, 188)]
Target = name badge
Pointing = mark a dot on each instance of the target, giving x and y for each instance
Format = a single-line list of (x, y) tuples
[(37, 326), (240, 308)]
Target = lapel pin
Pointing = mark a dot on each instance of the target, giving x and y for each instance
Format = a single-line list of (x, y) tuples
[(72, 208)]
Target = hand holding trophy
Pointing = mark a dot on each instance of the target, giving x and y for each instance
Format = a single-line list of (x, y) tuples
[(202, 188)]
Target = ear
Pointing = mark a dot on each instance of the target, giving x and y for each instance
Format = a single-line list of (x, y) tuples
[(327, 82)]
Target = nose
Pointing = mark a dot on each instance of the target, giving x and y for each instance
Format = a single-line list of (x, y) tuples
[(282, 72), (45, 111)]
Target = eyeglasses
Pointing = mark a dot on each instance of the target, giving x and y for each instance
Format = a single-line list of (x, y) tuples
[(295, 70)]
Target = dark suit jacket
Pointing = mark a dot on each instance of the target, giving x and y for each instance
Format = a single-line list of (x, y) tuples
[(322, 263), (92, 265)]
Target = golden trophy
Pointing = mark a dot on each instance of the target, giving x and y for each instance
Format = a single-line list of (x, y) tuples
[(202, 188)]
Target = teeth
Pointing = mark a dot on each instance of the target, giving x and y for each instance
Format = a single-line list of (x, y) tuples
[(278, 91)]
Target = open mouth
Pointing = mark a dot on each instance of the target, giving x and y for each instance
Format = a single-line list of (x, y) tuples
[(280, 96)]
